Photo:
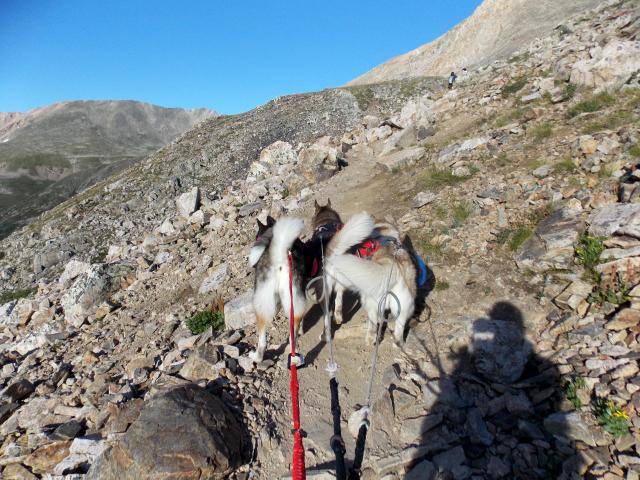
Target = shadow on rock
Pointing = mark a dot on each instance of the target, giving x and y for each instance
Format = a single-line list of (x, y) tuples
[(496, 416)]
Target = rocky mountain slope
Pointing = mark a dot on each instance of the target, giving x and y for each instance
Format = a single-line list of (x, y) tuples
[(496, 30), (520, 190), (51, 153)]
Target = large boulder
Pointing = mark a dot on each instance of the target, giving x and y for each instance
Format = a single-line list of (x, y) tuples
[(72, 270), (278, 153), (623, 218), (317, 163), (610, 66), (49, 257), (552, 244), (185, 433), (188, 202), (238, 313), (87, 291)]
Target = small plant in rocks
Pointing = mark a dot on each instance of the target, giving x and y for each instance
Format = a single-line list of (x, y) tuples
[(10, 295), (201, 321), (611, 417), (571, 391), (588, 251), (613, 294)]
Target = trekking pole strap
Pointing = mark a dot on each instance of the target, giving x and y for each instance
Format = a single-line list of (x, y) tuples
[(354, 473), (336, 442)]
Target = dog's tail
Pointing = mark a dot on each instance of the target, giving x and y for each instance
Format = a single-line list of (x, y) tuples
[(285, 232), (354, 231), (364, 276)]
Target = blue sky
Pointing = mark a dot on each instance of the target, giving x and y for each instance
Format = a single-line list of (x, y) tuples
[(222, 54)]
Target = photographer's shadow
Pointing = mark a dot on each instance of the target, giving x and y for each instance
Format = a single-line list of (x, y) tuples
[(487, 418)]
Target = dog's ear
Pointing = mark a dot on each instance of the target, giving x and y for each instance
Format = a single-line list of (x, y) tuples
[(316, 205), (270, 221), (260, 224), (328, 202)]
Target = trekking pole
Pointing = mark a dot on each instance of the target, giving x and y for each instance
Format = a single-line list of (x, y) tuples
[(365, 424), (336, 442)]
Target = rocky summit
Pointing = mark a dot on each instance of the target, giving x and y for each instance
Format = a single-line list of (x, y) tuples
[(126, 324)]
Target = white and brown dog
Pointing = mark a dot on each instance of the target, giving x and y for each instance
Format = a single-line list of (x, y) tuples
[(269, 257)]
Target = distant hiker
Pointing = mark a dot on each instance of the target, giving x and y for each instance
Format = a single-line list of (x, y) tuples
[(452, 79), (464, 72)]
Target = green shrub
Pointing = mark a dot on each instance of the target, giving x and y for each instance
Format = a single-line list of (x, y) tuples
[(591, 104), (612, 418), (435, 179), (635, 151), (570, 91), (613, 294), (520, 235), (571, 391), (461, 212), (441, 285), (588, 251), (514, 86), (205, 319), (542, 131), (10, 295), (609, 122), (565, 165)]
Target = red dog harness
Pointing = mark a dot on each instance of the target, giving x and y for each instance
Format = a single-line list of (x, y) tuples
[(367, 248)]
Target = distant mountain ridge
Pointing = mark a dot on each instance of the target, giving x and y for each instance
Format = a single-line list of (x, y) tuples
[(49, 153), (496, 29)]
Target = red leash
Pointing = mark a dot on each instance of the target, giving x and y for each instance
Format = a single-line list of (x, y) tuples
[(298, 468)]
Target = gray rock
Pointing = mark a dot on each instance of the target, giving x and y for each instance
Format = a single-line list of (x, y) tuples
[(450, 459), (608, 219), (477, 428), (499, 349), (441, 391), (5, 311), (542, 171), (425, 470), (403, 138), (88, 290), (402, 158), (473, 143), (552, 244), (608, 66), (201, 363), (250, 208), (48, 258), (19, 390), (188, 202), (161, 257), (532, 97), (422, 199), (496, 468), (184, 432), (414, 428), (214, 279), (72, 270), (238, 313), (317, 163), (569, 425)]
